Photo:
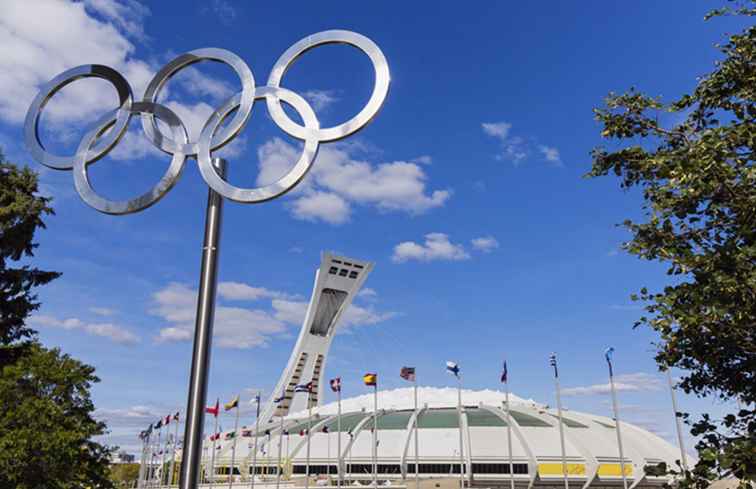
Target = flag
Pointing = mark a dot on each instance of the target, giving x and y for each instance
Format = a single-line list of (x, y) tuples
[(230, 435), (159, 424), (303, 387), (214, 410), (325, 429), (176, 416), (608, 355), (504, 373), (336, 384), (246, 433), (143, 435), (167, 420), (214, 437), (553, 363), (233, 403), (408, 373), (301, 432), (370, 379), (452, 368), (149, 430), (278, 399)]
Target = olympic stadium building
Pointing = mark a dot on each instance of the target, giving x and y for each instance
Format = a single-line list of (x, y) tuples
[(471, 443), (591, 449)]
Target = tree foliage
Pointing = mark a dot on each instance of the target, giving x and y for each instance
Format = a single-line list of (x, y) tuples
[(46, 423), (698, 182), (21, 213)]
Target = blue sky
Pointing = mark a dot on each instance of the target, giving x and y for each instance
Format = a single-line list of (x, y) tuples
[(467, 191)]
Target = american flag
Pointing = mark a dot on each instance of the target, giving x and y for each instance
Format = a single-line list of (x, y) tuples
[(408, 373), (336, 384)]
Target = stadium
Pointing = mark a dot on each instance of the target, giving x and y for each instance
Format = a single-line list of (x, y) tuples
[(461, 437)]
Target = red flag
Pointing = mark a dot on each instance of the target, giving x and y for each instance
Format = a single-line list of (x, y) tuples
[(215, 409), (167, 420)]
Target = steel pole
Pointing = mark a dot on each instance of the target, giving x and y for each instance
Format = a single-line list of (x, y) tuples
[(375, 435), (678, 425), (233, 447), (338, 441), (254, 449), (459, 422), (509, 440), (309, 429), (561, 434), (417, 443), (615, 407), (203, 334)]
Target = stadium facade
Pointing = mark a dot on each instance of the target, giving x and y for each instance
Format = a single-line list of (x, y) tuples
[(591, 448)]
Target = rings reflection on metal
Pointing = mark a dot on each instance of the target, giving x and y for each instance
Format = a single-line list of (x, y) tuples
[(108, 130), (229, 132), (282, 185), (105, 143), (168, 180), (380, 88)]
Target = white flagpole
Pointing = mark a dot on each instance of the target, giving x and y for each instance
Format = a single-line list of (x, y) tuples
[(615, 407), (561, 426), (233, 447), (459, 422), (173, 453), (375, 434), (142, 460), (678, 425), (417, 443), (279, 468), (309, 425), (339, 475), (215, 439), (157, 448), (509, 438), (162, 456), (254, 450)]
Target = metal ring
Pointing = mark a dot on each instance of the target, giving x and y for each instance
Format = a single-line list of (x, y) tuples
[(285, 183), (237, 123), (380, 89), (47, 91), (167, 181)]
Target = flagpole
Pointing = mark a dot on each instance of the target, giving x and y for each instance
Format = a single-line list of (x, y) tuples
[(509, 438), (279, 468), (615, 407), (173, 452), (309, 426), (233, 447), (678, 425), (162, 456), (254, 450), (215, 439), (459, 422), (338, 440), (417, 443), (157, 447), (142, 460), (561, 424), (375, 434)]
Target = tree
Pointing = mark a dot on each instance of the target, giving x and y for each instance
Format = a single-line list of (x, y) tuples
[(46, 423), (699, 190), (21, 212)]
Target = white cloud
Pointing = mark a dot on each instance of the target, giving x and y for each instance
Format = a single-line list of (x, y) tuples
[(106, 330), (485, 244), (43, 38), (320, 99), (243, 292), (516, 148), (102, 311), (436, 247), (635, 382), (224, 10), (339, 179), (367, 292), (293, 312), (550, 154)]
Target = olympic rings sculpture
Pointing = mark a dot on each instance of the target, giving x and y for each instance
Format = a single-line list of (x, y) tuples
[(108, 130)]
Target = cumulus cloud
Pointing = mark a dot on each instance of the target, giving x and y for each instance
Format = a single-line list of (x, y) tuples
[(516, 148), (320, 99), (102, 311), (436, 247), (111, 331), (340, 179), (486, 244), (240, 327), (635, 382)]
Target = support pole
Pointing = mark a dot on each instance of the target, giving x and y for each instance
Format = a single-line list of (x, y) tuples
[(375, 435), (212, 455), (233, 447), (615, 407), (678, 425), (509, 439), (339, 475), (561, 433), (254, 449), (459, 422), (203, 334), (417, 443), (309, 434)]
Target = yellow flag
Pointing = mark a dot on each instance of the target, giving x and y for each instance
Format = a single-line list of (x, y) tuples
[(232, 404)]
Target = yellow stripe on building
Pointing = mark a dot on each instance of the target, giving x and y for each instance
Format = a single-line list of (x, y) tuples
[(614, 470), (550, 469)]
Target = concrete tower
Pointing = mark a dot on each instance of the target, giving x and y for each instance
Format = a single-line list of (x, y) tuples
[(337, 281)]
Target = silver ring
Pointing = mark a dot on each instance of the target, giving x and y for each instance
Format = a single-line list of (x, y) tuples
[(168, 180), (380, 89), (105, 143), (237, 123), (285, 183)]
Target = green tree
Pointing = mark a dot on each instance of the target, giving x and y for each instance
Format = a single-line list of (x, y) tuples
[(699, 189), (124, 475), (46, 423)]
